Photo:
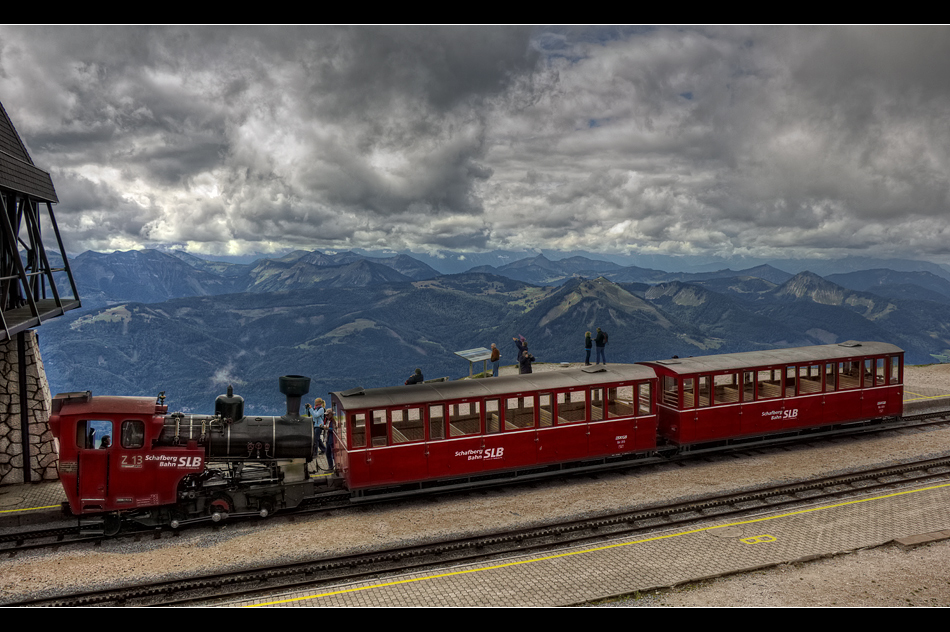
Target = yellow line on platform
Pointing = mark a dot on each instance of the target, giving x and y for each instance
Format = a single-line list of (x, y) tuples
[(596, 549), (28, 509), (920, 396)]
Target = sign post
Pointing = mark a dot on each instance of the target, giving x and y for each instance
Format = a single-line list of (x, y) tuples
[(474, 355)]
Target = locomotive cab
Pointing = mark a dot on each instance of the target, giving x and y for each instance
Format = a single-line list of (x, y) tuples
[(107, 461)]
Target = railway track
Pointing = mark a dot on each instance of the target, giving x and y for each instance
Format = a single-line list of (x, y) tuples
[(321, 573), (14, 543)]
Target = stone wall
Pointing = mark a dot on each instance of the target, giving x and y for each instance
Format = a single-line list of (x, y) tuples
[(43, 450)]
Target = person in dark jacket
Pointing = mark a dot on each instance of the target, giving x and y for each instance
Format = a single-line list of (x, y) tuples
[(416, 378), (588, 345), (524, 362), (601, 342), (522, 345)]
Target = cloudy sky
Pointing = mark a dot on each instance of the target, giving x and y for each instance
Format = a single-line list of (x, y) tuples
[(760, 141)]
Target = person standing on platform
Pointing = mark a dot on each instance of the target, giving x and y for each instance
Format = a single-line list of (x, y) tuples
[(588, 345), (317, 413), (522, 345), (330, 424), (601, 342), (495, 359), (524, 362)]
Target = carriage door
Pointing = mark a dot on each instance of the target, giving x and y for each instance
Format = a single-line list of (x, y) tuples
[(94, 443)]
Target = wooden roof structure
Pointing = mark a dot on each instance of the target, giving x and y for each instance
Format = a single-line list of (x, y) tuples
[(28, 291)]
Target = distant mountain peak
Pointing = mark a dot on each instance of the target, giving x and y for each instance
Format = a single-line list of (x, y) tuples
[(809, 286), (596, 299)]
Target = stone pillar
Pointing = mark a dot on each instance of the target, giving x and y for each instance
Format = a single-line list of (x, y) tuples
[(43, 452)]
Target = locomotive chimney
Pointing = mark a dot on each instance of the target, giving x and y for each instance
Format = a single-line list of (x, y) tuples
[(229, 406), (294, 387)]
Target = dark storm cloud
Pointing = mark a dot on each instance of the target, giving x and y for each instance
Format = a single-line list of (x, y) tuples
[(368, 69), (720, 140), (459, 238), (742, 139), (270, 134), (97, 218)]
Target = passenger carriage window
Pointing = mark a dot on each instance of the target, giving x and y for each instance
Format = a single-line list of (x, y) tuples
[(868, 372), (809, 379), (895, 369), (546, 410), (768, 383), (831, 384), (726, 388), (571, 407), (689, 392), (849, 375), (94, 434), (748, 386), (465, 419), (705, 390), (644, 398), (790, 372), (880, 372), (671, 391), (620, 401), (407, 425), (492, 416), (436, 422), (378, 431), (357, 425), (519, 413), (597, 404), (133, 434), (342, 427)]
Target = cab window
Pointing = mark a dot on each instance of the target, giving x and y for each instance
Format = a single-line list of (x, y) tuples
[(133, 433), (94, 434)]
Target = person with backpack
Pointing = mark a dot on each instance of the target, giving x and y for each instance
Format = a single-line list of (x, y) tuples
[(601, 342)]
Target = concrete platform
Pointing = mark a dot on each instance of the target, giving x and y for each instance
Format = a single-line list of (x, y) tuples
[(622, 567), (920, 400), (31, 504)]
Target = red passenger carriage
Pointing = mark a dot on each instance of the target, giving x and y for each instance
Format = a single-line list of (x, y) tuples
[(713, 398), (459, 430)]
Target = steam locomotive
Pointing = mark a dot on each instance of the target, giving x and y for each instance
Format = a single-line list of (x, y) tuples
[(126, 458)]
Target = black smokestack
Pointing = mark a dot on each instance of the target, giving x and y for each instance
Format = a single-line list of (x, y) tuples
[(294, 387)]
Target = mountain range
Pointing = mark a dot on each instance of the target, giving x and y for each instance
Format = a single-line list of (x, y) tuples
[(156, 321)]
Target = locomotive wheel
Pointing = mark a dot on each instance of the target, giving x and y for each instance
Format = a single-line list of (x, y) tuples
[(177, 515), (221, 505), (111, 525), (266, 507)]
